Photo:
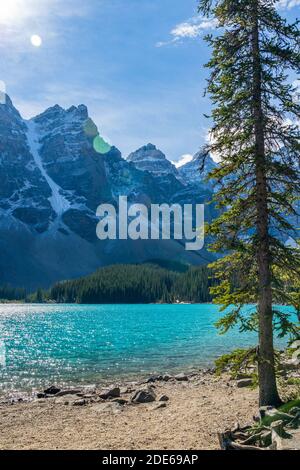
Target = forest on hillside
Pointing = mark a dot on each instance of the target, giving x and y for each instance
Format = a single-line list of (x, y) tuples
[(10, 293), (135, 284), (142, 283)]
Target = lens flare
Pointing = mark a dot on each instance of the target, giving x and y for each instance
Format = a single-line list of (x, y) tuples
[(90, 128), (100, 146), (36, 40)]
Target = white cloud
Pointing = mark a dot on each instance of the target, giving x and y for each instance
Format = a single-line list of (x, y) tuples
[(183, 160), (288, 4), (190, 29), (195, 26)]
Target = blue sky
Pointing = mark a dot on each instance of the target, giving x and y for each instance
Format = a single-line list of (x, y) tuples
[(136, 64)]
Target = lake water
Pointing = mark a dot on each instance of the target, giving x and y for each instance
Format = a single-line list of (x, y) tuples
[(71, 344)]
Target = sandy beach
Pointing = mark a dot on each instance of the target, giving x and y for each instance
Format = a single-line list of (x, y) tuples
[(196, 410)]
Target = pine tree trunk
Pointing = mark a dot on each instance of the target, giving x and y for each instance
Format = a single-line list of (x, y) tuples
[(268, 393)]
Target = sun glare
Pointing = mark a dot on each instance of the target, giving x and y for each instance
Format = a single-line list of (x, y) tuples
[(10, 10), (36, 40)]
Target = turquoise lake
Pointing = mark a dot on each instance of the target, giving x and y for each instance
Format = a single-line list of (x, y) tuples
[(72, 344)]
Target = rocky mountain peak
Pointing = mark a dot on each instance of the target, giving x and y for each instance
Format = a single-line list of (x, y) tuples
[(55, 170), (50, 114), (148, 151), (56, 112), (7, 107), (150, 158), (80, 111), (150, 147)]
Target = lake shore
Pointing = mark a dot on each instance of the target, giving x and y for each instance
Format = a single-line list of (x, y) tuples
[(83, 345), (198, 407)]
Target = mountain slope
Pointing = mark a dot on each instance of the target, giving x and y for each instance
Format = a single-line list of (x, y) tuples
[(53, 179), (192, 172)]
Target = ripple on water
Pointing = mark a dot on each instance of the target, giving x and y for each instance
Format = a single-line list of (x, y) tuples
[(70, 344)]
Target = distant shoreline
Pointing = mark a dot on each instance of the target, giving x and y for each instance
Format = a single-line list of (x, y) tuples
[(137, 378), (16, 302)]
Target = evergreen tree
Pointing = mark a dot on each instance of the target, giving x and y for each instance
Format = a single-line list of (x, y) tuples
[(8, 292), (40, 296), (256, 137), (144, 283)]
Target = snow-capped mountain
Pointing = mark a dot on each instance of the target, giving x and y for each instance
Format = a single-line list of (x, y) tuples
[(193, 173), (53, 178), (151, 159)]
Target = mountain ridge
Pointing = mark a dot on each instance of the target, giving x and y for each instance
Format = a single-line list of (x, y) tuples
[(54, 176)]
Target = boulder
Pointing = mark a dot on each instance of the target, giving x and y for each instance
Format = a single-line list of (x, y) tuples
[(80, 402), (266, 411), (120, 401), (53, 390), (144, 396), (113, 392), (243, 376), (167, 377), (164, 398), (289, 365), (181, 377), (154, 378), (244, 383)]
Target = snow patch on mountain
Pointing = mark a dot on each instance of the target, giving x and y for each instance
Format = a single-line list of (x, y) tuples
[(52, 181), (193, 172), (58, 202)]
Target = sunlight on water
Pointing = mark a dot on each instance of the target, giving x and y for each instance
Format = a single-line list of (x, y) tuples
[(68, 344)]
